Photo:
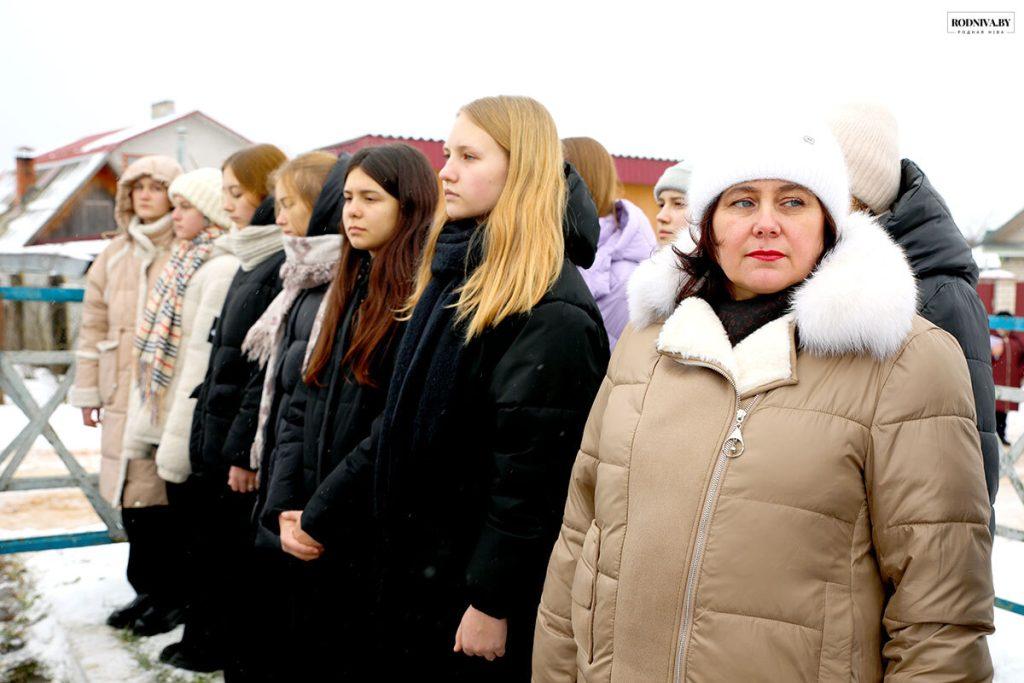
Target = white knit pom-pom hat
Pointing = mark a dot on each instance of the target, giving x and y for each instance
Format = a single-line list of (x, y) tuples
[(805, 154)]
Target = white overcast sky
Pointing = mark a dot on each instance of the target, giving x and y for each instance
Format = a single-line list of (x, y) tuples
[(644, 78)]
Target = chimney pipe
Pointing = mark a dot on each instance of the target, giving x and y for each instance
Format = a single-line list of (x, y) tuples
[(182, 134), (162, 108), (25, 173)]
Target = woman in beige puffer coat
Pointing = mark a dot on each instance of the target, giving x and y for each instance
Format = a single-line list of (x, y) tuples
[(116, 288), (117, 285), (780, 479)]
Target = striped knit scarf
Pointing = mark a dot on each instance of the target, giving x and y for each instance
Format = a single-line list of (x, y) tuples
[(159, 333)]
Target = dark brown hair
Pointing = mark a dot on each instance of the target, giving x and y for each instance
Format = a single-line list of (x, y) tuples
[(597, 168), (253, 166), (706, 279), (406, 175)]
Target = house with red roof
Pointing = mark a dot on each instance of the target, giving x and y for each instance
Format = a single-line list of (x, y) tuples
[(67, 194), (638, 175)]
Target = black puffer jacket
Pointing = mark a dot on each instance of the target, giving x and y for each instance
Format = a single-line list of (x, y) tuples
[(922, 225), (228, 401), (325, 219), (323, 423), (471, 516), (288, 380)]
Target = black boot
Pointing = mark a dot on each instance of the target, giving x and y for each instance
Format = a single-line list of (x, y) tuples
[(191, 658), (158, 619), (125, 616)]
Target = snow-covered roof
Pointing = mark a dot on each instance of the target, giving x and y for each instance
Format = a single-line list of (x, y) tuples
[(56, 183)]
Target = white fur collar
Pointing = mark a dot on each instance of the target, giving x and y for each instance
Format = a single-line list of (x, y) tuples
[(861, 299)]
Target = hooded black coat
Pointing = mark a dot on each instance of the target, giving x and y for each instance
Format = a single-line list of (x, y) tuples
[(920, 222), (470, 517), (325, 219)]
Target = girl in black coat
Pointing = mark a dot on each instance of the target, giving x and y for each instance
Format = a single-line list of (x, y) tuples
[(217, 498), (390, 194)]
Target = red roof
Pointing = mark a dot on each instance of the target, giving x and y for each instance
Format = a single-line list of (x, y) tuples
[(74, 149), (632, 170), (82, 146)]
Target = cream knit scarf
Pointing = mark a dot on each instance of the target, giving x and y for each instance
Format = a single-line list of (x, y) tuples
[(255, 244)]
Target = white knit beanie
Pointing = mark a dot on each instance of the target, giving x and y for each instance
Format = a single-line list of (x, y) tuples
[(805, 154), (674, 178), (202, 189), (869, 138)]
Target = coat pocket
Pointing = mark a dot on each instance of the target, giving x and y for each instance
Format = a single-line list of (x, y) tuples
[(584, 588), (837, 635), (107, 369)]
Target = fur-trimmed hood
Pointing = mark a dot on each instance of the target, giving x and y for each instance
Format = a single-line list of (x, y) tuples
[(860, 300), (160, 168)]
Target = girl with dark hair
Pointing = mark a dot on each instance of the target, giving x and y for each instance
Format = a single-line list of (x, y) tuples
[(390, 194)]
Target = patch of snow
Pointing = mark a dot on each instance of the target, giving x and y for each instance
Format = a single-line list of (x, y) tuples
[(78, 588), (1006, 643), (996, 274), (986, 259), (81, 249)]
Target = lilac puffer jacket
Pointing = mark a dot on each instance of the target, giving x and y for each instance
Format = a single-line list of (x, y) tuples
[(626, 240)]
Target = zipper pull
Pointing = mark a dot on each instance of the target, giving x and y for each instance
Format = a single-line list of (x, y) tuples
[(734, 444)]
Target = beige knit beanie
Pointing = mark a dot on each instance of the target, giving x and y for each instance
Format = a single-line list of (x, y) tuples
[(868, 135), (202, 189)]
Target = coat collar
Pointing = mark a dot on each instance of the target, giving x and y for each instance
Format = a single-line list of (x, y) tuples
[(861, 300)]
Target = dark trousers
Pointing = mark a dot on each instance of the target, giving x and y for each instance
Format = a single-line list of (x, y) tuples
[(223, 583), (1001, 424), (155, 553), (334, 619)]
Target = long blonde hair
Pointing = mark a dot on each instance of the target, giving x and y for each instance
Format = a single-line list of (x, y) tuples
[(523, 242)]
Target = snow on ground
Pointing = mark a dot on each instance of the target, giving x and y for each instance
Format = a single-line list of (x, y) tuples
[(1007, 644), (78, 587)]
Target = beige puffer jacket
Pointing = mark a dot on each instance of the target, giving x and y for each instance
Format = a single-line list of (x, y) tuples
[(772, 513), (116, 288), (117, 285), (165, 440)]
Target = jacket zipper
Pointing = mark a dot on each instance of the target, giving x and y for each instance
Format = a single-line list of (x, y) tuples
[(732, 447)]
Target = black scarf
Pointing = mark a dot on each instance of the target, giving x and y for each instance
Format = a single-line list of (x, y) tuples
[(428, 357), (741, 318)]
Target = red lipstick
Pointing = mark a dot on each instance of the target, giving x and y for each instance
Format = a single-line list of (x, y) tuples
[(766, 255)]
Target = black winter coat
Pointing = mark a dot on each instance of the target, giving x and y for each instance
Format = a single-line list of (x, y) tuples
[(288, 378), (922, 225), (470, 519), (228, 400), (322, 426)]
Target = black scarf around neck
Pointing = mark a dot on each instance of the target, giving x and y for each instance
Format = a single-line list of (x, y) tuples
[(428, 357), (741, 318)]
